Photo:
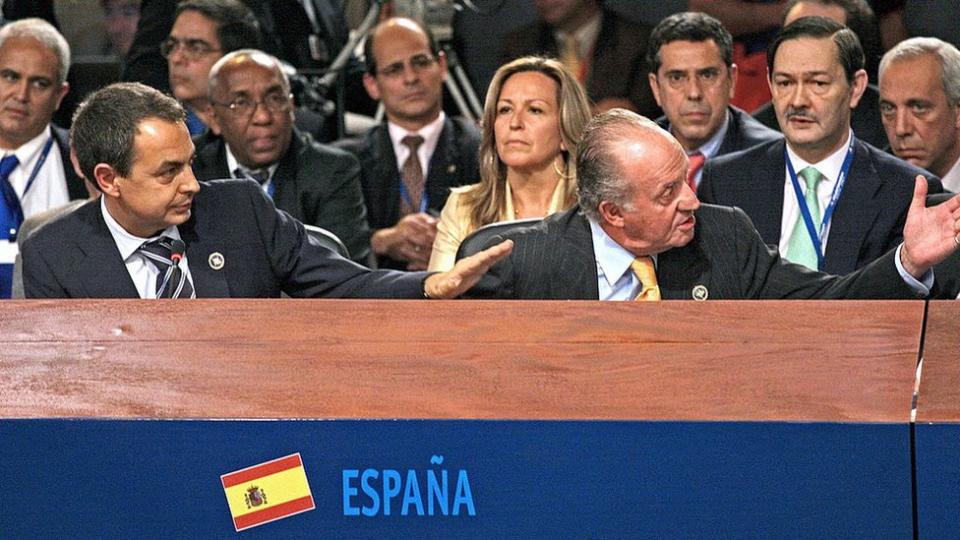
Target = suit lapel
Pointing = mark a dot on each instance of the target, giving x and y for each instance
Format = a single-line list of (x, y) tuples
[(856, 211), (207, 282), (383, 162), (731, 139), (104, 273), (443, 165), (768, 177), (680, 270), (285, 179)]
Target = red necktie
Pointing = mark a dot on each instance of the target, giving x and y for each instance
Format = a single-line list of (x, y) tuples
[(696, 162)]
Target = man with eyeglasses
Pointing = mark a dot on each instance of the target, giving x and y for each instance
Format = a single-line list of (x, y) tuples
[(410, 162), (203, 31), (826, 198), (253, 111), (692, 76), (35, 170)]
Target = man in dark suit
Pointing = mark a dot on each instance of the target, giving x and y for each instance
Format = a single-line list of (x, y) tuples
[(157, 232), (641, 233), (602, 48), (35, 172), (405, 71), (253, 111), (692, 75), (824, 197)]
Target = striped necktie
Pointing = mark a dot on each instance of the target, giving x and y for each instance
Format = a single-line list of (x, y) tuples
[(172, 281)]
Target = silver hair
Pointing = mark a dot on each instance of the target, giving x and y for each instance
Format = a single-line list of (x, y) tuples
[(946, 54), (46, 34), (256, 55), (598, 168)]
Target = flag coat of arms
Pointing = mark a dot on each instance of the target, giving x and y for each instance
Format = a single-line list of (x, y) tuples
[(267, 492)]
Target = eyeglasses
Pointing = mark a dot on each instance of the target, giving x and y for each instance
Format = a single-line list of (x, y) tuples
[(244, 106), (193, 49), (418, 63)]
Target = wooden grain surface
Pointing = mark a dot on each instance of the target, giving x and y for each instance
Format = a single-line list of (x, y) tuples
[(939, 396), (797, 361)]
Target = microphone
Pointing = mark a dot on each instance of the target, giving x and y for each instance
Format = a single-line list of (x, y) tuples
[(177, 247)]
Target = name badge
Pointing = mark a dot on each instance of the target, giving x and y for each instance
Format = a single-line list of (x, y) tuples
[(8, 251)]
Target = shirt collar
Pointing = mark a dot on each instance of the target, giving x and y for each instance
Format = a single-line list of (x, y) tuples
[(127, 243), (586, 35), (233, 164), (429, 132), (710, 148), (612, 259), (951, 180), (29, 150), (829, 167)]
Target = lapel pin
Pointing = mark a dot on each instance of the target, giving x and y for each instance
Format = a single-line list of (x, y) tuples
[(452, 168), (215, 260), (700, 293)]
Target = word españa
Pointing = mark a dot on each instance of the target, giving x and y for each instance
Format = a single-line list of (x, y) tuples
[(421, 493)]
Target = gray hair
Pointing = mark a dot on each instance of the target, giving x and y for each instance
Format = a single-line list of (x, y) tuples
[(946, 54), (598, 173), (46, 34), (254, 55)]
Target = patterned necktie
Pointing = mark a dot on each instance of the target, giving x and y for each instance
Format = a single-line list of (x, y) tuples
[(696, 162), (412, 176), (172, 281), (570, 54), (643, 268), (800, 249), (11, 215)]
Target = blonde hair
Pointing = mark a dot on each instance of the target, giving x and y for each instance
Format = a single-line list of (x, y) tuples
[(486, 201)]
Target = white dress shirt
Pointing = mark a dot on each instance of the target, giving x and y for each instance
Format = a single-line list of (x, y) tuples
[(49, 189), (233, 165), (143, 273)]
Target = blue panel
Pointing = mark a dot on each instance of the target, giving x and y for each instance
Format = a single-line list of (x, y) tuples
[(938, 480), (561, 479)]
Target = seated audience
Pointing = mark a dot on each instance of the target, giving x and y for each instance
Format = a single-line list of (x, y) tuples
[(253, 111), (603, 50), (920, 105), (692, 75), (411, 161), (156, 232), (640, 233), (827, 199), (532, 119)]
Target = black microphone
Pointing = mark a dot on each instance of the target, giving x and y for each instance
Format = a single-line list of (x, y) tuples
[(177, 247)]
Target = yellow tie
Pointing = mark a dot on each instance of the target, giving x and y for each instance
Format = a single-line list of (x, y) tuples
[(645, 272), (570, 57)]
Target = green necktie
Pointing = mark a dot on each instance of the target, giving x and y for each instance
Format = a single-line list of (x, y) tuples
[(800, 250)]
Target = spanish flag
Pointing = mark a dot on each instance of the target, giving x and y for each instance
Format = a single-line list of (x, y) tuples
[(267, 492)]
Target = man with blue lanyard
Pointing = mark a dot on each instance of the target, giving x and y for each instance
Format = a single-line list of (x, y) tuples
[(35, 171), (828, 200)]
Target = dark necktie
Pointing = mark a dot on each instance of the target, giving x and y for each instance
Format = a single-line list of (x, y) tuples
[(11, 215), (172, 281), (261, 177), (412, 176)]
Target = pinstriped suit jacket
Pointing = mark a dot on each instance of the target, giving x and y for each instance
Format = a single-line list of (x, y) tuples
[(554, 260)]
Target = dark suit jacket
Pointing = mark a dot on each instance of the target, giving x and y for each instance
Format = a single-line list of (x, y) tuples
[(316, 184), (867, 222), (554, 260), (865, 119), (617, 68), (76, 188), (454, 163), (264, 250), (742, 132)]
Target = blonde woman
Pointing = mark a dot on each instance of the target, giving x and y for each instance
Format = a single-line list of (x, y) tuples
[(532, 120)]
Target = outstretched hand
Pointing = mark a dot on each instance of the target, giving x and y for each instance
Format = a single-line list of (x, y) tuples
[(466, 273), (930, 235)]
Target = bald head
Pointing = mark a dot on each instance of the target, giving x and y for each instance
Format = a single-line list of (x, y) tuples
[(241, 60)]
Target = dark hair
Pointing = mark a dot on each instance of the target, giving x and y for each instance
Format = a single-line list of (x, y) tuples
[(860, 18), (106, 123), (371, 61), (237, 26), (849, 52), (688, 26)]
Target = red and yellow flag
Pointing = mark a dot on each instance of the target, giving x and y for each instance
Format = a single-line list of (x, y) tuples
[(267, 492)]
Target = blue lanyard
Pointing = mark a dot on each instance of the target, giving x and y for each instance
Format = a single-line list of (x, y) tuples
[(424, 199), (17, 209), (817, 236)]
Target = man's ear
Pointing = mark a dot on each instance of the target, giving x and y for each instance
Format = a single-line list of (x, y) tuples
[(106, 179), (610, 214), (370, 83)]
